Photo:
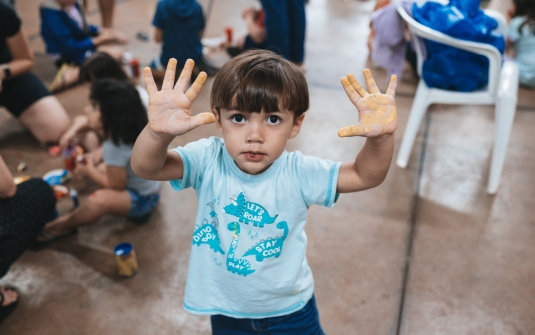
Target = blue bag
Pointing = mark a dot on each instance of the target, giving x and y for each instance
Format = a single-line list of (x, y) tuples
[(450, 68)]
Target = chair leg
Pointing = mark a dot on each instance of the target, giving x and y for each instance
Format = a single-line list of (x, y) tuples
[(505, 114), (418, 109)]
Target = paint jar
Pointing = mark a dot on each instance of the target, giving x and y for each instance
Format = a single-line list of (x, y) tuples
[(125, 257)]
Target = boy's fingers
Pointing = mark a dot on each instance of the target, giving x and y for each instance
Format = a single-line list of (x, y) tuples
[(391, 90), (169, 78), (355, 130), (193, 92), (370, 82), (350, 90), (185, 76), (356, 85), (149, 81), (201, 119)]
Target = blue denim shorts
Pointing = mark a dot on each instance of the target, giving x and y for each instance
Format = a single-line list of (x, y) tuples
[(303, 322), (141, 204)]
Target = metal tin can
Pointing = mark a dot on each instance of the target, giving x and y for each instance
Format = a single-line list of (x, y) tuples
[(125, 256)]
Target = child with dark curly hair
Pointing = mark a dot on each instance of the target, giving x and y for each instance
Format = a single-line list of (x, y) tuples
[(117, 114)]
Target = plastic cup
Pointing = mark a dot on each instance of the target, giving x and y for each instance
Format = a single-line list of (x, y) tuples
[(125, 257)]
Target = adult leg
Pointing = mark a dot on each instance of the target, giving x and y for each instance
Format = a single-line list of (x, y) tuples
[(277, 26), (297, 21), (106, 12), (22, 217), (99, 203), (46, 119)]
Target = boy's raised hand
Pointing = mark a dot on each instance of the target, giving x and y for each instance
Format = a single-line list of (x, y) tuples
[(377, 111), (170, 108)]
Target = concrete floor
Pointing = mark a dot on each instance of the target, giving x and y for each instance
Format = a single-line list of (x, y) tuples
[(426, 252)]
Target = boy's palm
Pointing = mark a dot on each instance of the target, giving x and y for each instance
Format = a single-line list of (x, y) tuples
[(377, 111), (170, 108)]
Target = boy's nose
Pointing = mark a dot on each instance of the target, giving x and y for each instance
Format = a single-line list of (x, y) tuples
[(255, 134)]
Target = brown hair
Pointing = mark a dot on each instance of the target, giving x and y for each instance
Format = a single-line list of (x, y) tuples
[(257, 80), (101, 65)]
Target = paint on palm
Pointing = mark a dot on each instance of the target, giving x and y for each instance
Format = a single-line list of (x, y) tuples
[(270, 247), (207, 232), (249, 212), (235, 265)]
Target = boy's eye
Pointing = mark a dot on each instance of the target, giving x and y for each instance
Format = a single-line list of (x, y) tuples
[(272, 119), (238, 118)]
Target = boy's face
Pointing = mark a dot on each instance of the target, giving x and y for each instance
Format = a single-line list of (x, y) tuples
[(256, 140)]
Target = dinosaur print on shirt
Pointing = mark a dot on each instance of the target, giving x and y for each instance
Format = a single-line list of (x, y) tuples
[(235, 265), (249, 212)]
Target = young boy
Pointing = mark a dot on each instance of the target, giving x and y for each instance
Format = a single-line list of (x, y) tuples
[(248, 267)]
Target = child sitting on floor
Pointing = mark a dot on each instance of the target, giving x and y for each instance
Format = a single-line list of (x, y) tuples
[(117, 114), (250, 182)]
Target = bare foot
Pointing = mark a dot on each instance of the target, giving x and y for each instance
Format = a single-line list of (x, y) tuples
[(55, 229)]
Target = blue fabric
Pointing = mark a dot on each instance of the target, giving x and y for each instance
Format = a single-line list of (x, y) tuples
[(248, 255), (285, 22), (182, 22), (63, 36), (141, 204), (304, 322), (450, 68)]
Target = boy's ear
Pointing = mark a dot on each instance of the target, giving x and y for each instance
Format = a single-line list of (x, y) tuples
[(217, 120), (297, 126)]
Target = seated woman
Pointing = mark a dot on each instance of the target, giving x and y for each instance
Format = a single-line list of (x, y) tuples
[(70, 39), (24, 210), (21, 92)]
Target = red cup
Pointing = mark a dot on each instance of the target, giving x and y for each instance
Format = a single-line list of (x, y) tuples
[(228, 34)]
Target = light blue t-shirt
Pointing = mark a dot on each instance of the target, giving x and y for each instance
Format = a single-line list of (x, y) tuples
[(248, 255), (524, 45)]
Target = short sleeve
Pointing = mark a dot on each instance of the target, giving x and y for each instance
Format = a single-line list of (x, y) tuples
[(195, 157), (114, 155), (158, 20), (317, 179), (10, 22), (512, 29)]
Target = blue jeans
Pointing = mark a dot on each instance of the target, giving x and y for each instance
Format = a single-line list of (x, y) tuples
[(141, 204), (303, 322)]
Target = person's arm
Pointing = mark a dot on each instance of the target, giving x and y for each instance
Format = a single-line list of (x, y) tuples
[(79, 123), (169, 116), (158, 35), (378, 121), (21, 56), (7, 185)]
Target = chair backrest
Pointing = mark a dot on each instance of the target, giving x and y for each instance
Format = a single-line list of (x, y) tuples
[(419, 32)]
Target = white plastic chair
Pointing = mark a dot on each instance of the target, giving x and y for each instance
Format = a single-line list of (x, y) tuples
[(501, 92)]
